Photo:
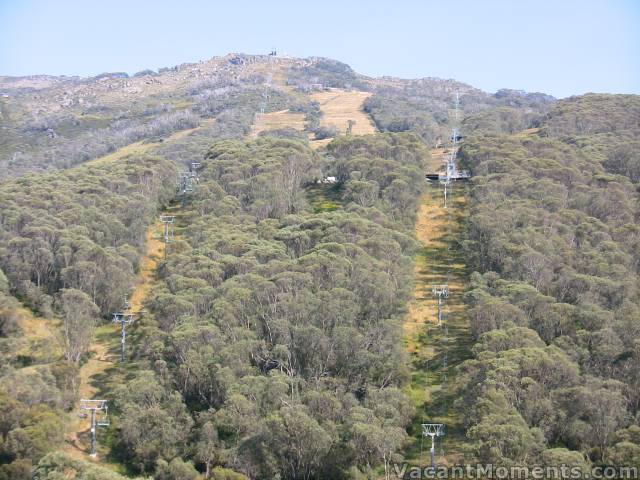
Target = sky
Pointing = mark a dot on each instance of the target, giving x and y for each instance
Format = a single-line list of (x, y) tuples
[(560, 47)]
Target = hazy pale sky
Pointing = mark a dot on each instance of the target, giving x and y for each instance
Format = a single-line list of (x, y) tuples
[(561, 47)]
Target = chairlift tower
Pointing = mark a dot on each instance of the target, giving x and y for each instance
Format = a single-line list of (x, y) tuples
[(268, 81), (168, 233), (442, 292), (445, 354), (445, 183), (186, 185), (124, 319), (265, 99), (99, 418), (263, 103), (451, 171), (350, 124), (444, 367), (433, 430), (455, 136), (193, 170)]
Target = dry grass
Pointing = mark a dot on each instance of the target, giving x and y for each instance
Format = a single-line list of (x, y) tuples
[(34, 327), (437, 262), (315, 144), (433, 225), (337, 106), (38, 341), (148, 263), (277, 120), (100, 360), (340, 106), (430, 228)]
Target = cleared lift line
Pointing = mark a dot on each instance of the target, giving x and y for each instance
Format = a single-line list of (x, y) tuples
[(441, 291)]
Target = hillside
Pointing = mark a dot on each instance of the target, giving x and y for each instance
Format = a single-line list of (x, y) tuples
[(59, 122), (288, 329), (554, 302)]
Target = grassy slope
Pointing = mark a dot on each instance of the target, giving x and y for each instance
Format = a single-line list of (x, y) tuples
[(277, 120), (340, 106), (337, 107), (438, 261)]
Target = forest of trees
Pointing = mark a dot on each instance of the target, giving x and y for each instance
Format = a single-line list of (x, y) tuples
[(326, 72), (425, 107), (554, 302), (82, 229), (275, 346), (69, 244), (271, 344)]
